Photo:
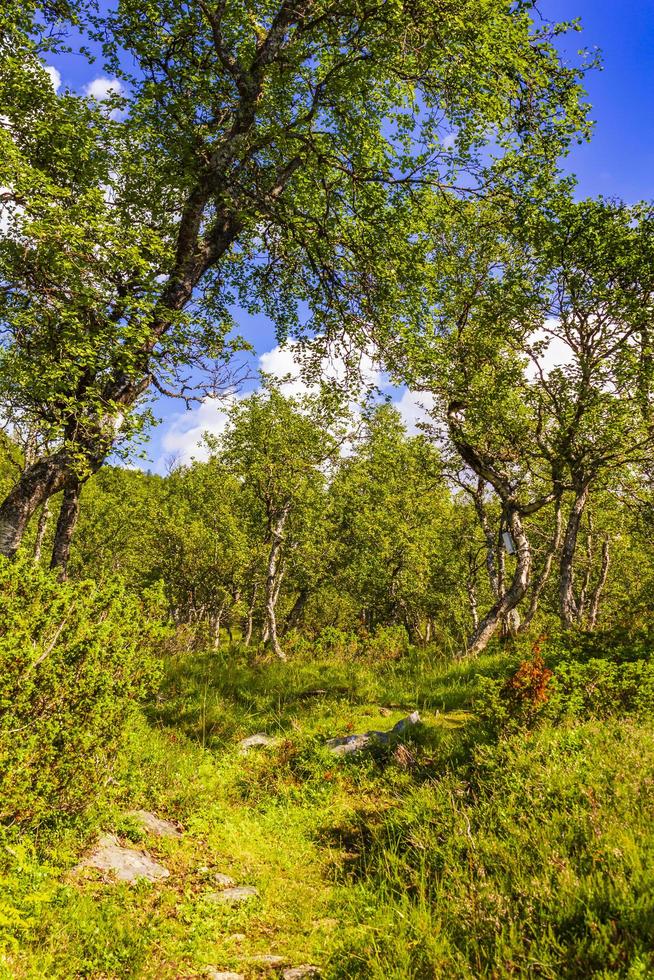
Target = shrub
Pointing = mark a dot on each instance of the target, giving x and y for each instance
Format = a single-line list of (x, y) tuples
[(74, 659), (602, 688), (387, 643)]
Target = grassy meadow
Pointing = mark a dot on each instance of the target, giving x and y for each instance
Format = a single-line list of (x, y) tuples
[(489, 843)]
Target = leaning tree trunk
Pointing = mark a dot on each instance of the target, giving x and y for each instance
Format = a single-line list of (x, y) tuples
[(295, 615), (36, 484), (510, 598), (568, 606), (66, 524)]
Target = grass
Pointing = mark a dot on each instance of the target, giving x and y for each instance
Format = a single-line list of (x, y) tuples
[(465, 856)]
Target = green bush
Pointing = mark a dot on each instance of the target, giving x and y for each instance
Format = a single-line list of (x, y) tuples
[(614, 683), (74, 659), (602, 688)]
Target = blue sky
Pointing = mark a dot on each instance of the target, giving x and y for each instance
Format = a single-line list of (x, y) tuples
[(618, 162)]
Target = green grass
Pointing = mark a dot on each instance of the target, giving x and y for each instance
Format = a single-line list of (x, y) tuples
[(467, 857)]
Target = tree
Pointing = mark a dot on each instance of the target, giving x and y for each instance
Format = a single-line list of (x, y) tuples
[(280, 449), (259, 153), (393, 521), (532, 435)]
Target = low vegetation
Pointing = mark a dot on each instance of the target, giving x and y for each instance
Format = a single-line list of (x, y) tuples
[(508, 835)]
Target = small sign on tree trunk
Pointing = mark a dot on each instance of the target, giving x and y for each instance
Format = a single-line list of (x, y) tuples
[(509, 543)]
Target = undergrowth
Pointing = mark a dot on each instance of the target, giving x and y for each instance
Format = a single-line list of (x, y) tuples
[(510, 835)]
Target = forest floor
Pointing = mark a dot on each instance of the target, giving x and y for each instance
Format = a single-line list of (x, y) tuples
[(453, 856)]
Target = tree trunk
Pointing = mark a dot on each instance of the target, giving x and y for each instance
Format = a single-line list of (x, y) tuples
[(216, 620), (273, 581), (568, 606), (37, 483), (489, 537), (472, 602), (599, 588), (44, 518), (545, 571), (512, 596), (65, 528), (295, 614)]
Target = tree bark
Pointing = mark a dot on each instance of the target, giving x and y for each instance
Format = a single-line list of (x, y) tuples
[(44, 518), (39, 481), (273, 580), (568, 605), (295, 614), (65, 529), (508, 601), (601, 582), (545, 572)]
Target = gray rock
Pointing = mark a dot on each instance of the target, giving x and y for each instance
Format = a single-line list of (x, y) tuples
[(260, 740), (233, 896), (351, 744), (222, 974), (123, 863), (153, 824), (223, 881), (299, 972), (268, 960)]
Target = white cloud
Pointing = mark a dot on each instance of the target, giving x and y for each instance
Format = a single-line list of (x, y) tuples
[(553, 352), (102, 88), (414, 408), (184, 438), (285, 364), (54, 76)]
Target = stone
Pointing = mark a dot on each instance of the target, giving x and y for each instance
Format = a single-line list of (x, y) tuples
[(123, 863), (351, 744), (299, 972), (223, 881), (268, 961), (223, 974), (260, 740), (155, 825), (233, 896)]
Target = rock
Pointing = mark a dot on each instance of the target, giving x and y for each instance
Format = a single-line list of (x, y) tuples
[(268, 960), (223, 974), (124, 863), (153, 824), (223, 881), (350, 744), (299, 972), (232, 896), (237, 937), (255, 742), (403, 724)]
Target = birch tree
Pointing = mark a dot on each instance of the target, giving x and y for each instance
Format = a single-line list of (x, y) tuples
[(258, 153)]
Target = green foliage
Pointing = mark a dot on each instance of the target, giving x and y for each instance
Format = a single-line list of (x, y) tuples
[(75, 658), (461, 855)]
